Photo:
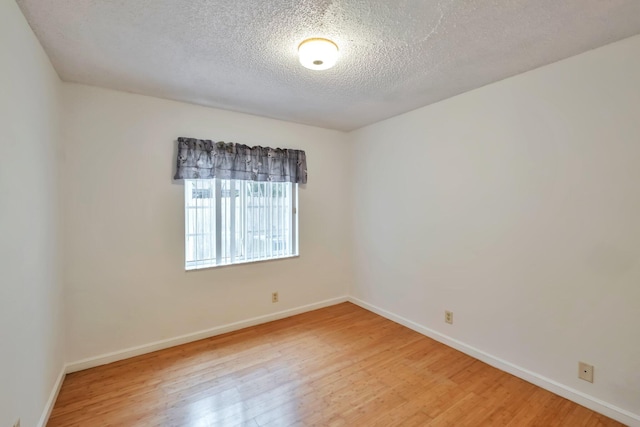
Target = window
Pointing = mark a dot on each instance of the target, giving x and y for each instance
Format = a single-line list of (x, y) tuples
[(231, 221)]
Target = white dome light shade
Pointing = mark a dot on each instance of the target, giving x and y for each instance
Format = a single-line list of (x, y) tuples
[(318, 54)]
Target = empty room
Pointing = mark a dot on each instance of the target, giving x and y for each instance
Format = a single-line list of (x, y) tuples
[(319, 213)]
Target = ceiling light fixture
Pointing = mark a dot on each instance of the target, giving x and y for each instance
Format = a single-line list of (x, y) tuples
[(318, 54)]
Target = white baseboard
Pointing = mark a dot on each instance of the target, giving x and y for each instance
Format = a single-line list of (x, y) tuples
[(52, 398), (183, 339), (579, 397)]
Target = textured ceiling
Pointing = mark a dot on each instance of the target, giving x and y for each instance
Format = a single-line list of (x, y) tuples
[(240, 55)]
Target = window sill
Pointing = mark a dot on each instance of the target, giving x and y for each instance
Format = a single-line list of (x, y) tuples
[(261, 260)]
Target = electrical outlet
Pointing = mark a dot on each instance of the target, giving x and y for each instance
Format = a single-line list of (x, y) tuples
[(274, 297), (17, 423), (448, 317), (585, 371)]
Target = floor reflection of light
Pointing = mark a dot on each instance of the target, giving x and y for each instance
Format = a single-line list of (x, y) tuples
[(264, 402), (215, 410)]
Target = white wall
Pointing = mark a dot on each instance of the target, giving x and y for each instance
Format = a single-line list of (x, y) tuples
[(124, 219), (516, 206), (31, 354)]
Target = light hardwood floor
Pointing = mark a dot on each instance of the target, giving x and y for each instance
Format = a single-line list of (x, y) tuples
[(340, 365)]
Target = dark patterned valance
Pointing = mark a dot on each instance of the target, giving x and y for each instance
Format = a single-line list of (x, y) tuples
[(204, 159)]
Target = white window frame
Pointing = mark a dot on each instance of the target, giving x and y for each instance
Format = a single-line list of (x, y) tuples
[(214, 238)]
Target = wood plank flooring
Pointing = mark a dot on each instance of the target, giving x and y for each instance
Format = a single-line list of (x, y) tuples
[(340, 365)]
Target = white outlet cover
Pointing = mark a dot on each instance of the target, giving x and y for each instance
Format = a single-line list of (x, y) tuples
[(585, 371), (448, 317)]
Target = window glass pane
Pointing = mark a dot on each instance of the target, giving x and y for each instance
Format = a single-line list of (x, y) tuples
[(190, 248), (256, 221)]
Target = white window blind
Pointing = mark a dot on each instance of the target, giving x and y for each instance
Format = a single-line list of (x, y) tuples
[(232, 221)]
